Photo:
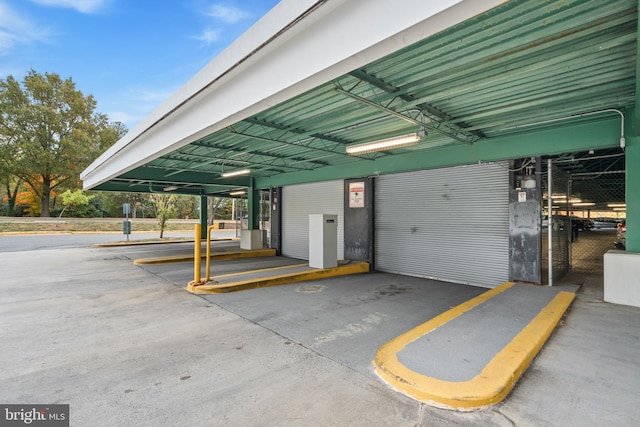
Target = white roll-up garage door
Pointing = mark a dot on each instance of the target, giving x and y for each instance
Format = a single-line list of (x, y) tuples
[(298, 202), (450, 224)]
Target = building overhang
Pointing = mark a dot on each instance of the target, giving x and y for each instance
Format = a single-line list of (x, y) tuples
[(482, 79)]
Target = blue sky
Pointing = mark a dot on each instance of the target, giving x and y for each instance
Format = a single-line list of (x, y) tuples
[(129, 54)]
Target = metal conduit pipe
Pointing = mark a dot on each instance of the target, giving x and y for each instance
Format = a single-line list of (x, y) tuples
[(623, 141)]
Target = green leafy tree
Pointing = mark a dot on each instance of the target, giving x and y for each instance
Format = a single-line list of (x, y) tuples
[(111, 203), (11, 186), (75, 202), (49, 132), (187, 206), (165, 208)]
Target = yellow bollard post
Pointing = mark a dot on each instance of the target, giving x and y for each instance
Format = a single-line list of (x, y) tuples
[(208, 256), (196, 255)]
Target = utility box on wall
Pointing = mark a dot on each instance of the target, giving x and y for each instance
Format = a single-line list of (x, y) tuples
[(323, 241)]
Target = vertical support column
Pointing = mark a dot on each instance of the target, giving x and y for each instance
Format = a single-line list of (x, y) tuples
[(636, 112), (253, 202), (632, 196), (550, 221), (252, 238), (632, 179), (204, 217), (276, 219), (571, 225), (359, 219), (524, 223)]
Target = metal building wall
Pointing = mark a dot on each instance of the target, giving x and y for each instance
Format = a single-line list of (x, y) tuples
[(450, 224), (298, 201)]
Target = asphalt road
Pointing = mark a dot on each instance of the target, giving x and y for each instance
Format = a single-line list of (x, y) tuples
[(34, 242)]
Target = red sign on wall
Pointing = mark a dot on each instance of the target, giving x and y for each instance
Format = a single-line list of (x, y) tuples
[(356, 194)]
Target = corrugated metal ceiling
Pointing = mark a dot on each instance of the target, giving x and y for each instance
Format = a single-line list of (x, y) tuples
[(523, 62)]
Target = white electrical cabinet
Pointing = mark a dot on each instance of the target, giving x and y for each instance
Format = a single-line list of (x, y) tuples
[(323, 241)]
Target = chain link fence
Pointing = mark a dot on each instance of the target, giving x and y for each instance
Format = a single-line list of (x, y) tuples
[(588, 210), (595, 224)]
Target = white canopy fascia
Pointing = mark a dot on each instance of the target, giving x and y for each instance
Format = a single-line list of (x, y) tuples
[(297, 46)]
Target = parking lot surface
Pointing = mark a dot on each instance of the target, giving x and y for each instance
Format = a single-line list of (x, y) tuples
[(126, 345)]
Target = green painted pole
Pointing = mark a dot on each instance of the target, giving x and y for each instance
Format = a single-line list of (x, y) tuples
[(632, 181), (632, 176), (253, 202), (204, 212)]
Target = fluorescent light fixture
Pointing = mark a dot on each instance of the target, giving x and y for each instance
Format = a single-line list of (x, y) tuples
[(238, 193), (236, 173), (564, 200), (384, 144), (617, 205), (170, 188), (584, 204), (620, 209)]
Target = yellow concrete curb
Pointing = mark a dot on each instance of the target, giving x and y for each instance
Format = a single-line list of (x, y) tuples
[(284, 267), (494, 382), (282, 279), (214, 255)]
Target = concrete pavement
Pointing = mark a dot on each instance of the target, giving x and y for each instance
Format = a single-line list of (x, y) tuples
[(123, 347), (128, 346), (467, 357)]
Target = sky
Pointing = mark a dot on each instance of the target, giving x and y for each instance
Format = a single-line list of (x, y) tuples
[(130, 55)]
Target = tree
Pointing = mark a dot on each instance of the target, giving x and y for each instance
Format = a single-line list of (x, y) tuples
[(219, 208), (187, 206), (26, 204), (111, 203), (165, 208), (11, 187), (75, 201), (49, 132)]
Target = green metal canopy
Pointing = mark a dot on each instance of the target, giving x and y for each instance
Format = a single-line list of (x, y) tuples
[(524, 66)]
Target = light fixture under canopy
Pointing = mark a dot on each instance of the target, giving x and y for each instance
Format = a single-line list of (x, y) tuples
[(386, 144)]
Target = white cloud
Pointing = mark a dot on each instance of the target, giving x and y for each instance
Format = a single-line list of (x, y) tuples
[(83, 6), (124, 117), (7, 40), (140, 103), (220, 16), (16, 29), (150, 96), (227, 14), (208, 36)]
